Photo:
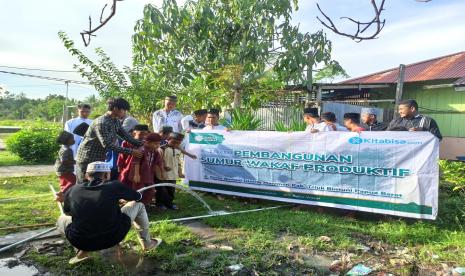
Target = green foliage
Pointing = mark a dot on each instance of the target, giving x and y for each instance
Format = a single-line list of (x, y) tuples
[(19, 107), (330, 72), (37, 123), (142, 87), (453, 172), (34, 144), (99, 106), (209, 53), (232, 45), (243, 119), (295, 125)]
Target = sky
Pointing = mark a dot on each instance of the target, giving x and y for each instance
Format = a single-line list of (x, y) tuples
[(414, 32)]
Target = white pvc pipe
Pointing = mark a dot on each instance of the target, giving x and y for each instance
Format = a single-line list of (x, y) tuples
[(219, 214), (58, 203), (191, 192), (22, 197), (26, 240)]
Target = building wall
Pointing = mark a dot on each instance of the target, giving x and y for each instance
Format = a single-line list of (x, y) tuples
[(442, 104)]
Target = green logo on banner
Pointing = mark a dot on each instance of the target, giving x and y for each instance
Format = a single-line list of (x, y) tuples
[(206, 138)]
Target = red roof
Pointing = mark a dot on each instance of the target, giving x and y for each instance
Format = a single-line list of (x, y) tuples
[(446, 67), (460, 82)]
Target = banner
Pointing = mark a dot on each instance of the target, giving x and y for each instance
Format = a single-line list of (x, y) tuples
[(393, 173)]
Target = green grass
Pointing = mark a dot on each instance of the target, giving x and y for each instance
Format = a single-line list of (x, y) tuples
[(261, 240), (27, 211), (8, 158), (4, 136)]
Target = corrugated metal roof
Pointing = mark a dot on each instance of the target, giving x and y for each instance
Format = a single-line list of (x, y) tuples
[(446, 67), (460, 82)]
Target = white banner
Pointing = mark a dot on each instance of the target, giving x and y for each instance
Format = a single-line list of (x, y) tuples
[(392, 173)]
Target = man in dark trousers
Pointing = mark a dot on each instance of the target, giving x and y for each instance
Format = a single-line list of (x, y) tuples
[(102, 136), (94, 220), (410, 119), (369, 120)]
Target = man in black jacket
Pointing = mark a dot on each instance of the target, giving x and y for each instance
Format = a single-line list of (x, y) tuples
[(410, 119), (95, 221)]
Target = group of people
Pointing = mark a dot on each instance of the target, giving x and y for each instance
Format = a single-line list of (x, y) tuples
[(116, 161), (113, 158), (409, 120)]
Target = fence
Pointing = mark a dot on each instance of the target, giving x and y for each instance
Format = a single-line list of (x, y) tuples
[(270, 115), (288, 114)]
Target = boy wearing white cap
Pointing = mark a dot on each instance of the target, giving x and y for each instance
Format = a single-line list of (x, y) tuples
[(95, 220), (369, 121)]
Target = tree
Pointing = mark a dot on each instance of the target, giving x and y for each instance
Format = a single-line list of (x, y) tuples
[(374, 25), (143, 90), (327, 22), (236, 41)]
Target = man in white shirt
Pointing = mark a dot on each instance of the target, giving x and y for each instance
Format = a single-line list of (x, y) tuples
[(83, 111), (168, 116), (212, 121), (128, 123), (312, 119)]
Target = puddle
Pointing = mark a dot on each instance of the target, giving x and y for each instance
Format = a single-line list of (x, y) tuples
[(13, 267), (320, 263), (133, 262), (18, 236)]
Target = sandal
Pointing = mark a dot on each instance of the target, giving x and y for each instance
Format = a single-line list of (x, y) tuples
[(76, 260), (154, 243)]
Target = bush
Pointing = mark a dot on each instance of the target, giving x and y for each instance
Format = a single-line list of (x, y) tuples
[(35, 145), (30, 123), (295, 125), (243, 120), (453, 173)]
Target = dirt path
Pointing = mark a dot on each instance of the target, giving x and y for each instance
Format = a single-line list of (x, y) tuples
[(27, 170)]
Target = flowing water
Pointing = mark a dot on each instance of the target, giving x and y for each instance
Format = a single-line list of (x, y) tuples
[(187, 190)]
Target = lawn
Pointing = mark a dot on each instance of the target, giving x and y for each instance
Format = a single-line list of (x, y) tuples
[(279, 241), (8, 158)]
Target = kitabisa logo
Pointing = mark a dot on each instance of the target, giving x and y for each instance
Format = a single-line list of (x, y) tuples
[(206, 138), (380, 141)]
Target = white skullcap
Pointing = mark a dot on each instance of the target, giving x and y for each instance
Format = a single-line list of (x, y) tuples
[(368, 110), (98, 166)]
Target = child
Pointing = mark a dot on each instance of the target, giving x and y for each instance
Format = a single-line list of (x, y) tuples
[(352, 122), (329, 118), (139, 132), (165, 134), (64, 164), (171, 157), (212, 120), (142, 170)]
